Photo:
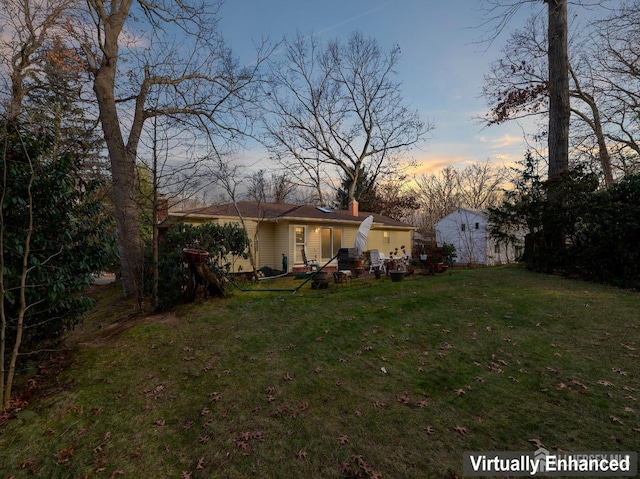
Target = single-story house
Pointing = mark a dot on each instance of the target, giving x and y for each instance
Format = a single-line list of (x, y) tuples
[(466, 230), (285, 229)]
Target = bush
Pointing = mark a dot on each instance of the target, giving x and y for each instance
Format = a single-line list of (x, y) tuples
[(605, 245), (69, 240), (598, 229), (224, 243)]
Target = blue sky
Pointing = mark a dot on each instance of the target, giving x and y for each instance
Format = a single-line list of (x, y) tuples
[(441, 69)]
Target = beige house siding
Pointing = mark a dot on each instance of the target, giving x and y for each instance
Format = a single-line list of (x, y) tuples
[(281, 242), (266, 246), (397, 239)]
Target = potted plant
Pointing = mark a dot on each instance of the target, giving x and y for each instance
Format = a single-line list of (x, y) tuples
[(397, 275)]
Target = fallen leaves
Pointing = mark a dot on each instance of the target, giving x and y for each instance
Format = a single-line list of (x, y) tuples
[(604, 383), (537, 443), (63, 457), (358, 467), (617, 420), (245, 439), (30, 464), (461, 430)]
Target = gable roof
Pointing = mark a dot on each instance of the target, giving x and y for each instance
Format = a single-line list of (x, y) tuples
[(467, 211), (273, 211)]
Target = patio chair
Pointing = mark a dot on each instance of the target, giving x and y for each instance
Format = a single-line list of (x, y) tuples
[(309, 265), (377, 261)]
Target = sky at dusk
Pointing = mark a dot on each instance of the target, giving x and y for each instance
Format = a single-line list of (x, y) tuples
[(441, 69)]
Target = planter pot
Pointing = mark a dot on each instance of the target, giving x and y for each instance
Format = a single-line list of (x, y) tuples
[(320, 280), (396, 275), (195, 255), (356, 267), (378, 273)]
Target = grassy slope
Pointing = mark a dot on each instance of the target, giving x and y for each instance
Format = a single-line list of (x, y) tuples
[(277, 385)]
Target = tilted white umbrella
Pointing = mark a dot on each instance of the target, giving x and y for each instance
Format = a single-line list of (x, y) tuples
[(362, 234)]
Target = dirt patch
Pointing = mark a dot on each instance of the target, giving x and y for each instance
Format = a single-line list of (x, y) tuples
[(103, 334)]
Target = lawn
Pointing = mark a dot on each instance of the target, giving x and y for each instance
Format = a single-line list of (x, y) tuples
[(379, 379)]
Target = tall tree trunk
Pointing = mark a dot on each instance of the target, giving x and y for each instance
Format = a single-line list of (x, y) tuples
[(559, 111), (124, 186), (123, 159)]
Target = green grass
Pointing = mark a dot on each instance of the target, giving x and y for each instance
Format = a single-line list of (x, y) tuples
[(275, 385)]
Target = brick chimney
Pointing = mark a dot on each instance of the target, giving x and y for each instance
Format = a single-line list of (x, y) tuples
[(353, 208), (163, 208)]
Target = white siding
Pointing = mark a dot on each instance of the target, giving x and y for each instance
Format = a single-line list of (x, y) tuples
[(466, 230)]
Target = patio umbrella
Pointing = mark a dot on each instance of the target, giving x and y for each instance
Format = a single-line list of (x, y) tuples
[(361, 235)]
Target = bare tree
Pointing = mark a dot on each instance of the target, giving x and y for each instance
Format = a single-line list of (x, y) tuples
[(477, 187), (27, 27), (481, 184), (518, 86), (618, 38), (501, 12), (337, 108), (171, 53), (278, 188), (439, 194), (170, 170), (232, 180)]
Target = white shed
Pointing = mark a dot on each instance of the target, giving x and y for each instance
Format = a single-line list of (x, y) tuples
[(466, 230)]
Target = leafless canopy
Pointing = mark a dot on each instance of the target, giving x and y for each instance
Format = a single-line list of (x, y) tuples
[(337, 108)]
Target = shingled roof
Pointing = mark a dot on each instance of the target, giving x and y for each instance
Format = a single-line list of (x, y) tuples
[(273, 211)]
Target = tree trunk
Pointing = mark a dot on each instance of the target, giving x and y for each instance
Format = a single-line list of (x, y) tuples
[(123, 159), (11, 369), (595, 123), (559, 111), (124, 187)]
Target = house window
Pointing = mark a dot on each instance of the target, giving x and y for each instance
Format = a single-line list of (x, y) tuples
[(331, 241), (477, 226), (386, 237), (299, 242), (463, 227)]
